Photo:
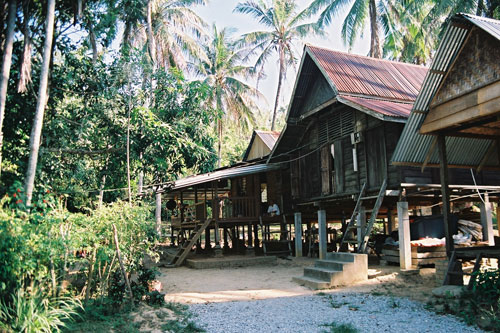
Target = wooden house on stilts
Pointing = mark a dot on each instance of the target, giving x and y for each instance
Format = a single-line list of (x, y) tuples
[(455, 125)]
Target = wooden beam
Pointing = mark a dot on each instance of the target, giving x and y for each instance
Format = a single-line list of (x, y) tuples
[(445, 193), (298, 234), (472, 106), (429, 154)]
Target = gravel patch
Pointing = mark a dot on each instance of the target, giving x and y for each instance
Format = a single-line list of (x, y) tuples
[(365, 312)]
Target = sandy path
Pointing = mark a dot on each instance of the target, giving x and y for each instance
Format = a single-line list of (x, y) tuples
[(188, 286)]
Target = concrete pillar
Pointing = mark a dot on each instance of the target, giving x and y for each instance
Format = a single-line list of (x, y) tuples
[(322, 233), (298, 234), (361, 224), (404, 236), (487, 221)]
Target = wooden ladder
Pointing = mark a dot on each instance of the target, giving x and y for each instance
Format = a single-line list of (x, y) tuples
[(184, 250), (365, 233)]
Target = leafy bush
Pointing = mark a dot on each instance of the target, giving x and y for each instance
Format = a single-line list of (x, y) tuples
[(37, 313), (481, 305)]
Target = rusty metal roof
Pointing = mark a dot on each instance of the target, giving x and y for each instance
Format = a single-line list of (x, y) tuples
[(413, 147), (359, 75), (268, 137), (223, 173), (383, 107)]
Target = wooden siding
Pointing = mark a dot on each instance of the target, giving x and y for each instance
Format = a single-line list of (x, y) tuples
[(259, 149), (318, 92), (471, 88)]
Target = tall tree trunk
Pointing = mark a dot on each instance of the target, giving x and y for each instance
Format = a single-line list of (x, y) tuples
[(158, 213), (25, 67), (93, 42), (219, 127), (149, 31), (6, 61), (375, 48), (128, 146), (36, 130), (280, 83)]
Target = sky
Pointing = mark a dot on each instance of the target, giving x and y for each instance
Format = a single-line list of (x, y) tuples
[(221, 12)]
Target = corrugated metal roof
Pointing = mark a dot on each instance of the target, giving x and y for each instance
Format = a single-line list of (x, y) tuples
[(268, 137), (360, 75), (383, 107), (489, 25), (413, 147), (230, 172)]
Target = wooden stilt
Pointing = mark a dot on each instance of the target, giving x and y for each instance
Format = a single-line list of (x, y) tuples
[(298, 234), (445, 193)]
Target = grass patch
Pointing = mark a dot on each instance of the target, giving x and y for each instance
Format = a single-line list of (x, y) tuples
[(340, 328), (99, 319)]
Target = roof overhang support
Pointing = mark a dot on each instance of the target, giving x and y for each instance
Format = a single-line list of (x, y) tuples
[(445, 192), (429, 154)]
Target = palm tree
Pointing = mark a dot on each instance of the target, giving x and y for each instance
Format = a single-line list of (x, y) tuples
[(223, 71), (6, 61), (41, 101), (354, 23), (168, 29), (412, 27), (285, 27)]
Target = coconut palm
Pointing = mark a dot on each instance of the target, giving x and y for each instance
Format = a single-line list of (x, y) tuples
[(223, 71), (285, 26), (412, 27), (360, 11), (169, 29)]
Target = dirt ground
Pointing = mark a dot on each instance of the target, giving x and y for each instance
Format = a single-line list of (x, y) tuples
[(185, 285)]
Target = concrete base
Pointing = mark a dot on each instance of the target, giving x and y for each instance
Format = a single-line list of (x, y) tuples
[(218, 252), (338, 269), (231, 261)]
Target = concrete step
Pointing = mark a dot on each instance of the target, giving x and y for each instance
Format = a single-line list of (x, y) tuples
[(311, 283), (330, 264), (341, 256), (320, 273)]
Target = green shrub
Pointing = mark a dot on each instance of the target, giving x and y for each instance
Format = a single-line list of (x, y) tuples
[(37, 313), (481, 305)]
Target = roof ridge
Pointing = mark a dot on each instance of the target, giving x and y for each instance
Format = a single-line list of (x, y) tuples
[(377, 98), (365, 57), (483, 18)]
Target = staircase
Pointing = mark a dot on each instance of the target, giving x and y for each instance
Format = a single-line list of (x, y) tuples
[(361, 241), (184, 250), (338, 269)]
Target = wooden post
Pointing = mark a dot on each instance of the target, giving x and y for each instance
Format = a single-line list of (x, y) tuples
[(256, 236), (250, 236), (487, 221), (122, 267), (226, 244), (404, 236), (361, 224), (445, 193), (322, 233), (391, 225), (498, 215), (298, 234), (208, 246)]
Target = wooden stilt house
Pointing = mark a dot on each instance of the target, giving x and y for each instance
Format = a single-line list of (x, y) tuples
[(228, 205), (344, 120), (455, 123)]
